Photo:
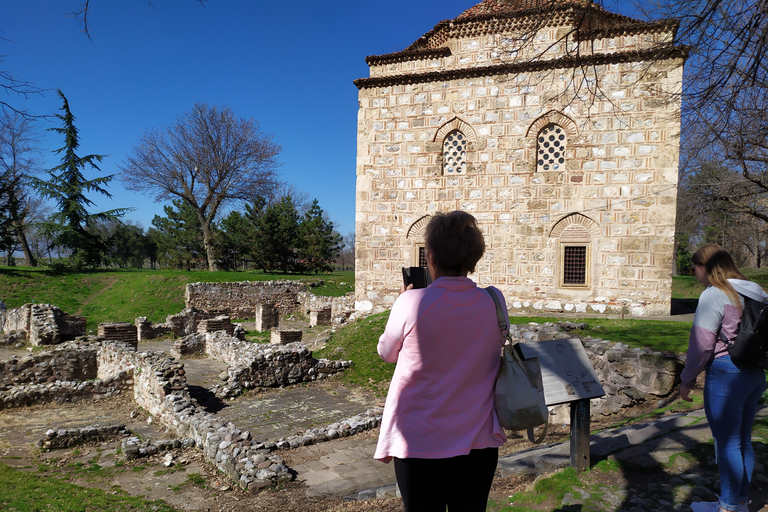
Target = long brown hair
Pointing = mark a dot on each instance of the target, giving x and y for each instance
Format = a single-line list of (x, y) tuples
[(720, 267)]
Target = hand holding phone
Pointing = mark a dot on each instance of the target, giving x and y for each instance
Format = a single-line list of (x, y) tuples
[(417, 276)]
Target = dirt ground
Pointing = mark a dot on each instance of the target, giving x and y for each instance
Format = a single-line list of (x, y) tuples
[(185, 481)]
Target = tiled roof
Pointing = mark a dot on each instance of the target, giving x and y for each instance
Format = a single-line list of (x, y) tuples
[(591, 17), (502, 7)]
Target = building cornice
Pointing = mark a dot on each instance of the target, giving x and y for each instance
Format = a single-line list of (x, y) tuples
[(676, 52)]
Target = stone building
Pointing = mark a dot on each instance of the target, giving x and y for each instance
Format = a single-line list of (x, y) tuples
[(562, 141)]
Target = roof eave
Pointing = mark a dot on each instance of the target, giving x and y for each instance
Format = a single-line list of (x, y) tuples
[(675, 52)]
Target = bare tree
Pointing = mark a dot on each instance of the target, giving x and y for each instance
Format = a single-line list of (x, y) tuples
[(729, 43), (347, 254), (208, 158), (18, 148), (14, 85), (81, 14)]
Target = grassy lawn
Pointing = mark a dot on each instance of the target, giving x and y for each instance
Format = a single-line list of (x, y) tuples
[(123, 295)]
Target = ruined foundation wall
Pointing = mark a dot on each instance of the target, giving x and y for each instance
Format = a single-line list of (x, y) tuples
[(253, 365), (71, 362), (239, 300)]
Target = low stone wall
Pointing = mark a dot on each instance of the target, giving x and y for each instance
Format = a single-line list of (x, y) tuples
[(67, 438), (630, 377), (189, 345), (181, 324), (72, 361), (253, 365), (63, 391), (342, 308), (146, 330), (41, 324), (239, 300), (161, 389)]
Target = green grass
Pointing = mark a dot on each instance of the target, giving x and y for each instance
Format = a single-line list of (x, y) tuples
[(357, 342), (122, 295), (20, 493), (657, 335), (686, 287)]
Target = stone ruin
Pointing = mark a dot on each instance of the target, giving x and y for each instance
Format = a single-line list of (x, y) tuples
[(92, 367), (80, 367), (40, 324)]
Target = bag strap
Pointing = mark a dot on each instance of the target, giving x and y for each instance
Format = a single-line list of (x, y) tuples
[(503, 322), (504, 326), (723, 337)]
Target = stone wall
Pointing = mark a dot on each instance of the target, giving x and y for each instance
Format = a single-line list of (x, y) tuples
[(253, 365), (146, 330), (71, 361), (239, 300), (41, 324), (613, 193), (630, 377), (67, 438), (342, 308), (68, 373)]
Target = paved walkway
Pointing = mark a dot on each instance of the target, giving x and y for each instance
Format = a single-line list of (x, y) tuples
[(347, 467)]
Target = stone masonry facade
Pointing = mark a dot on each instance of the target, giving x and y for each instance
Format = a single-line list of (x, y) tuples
[(573, 184)]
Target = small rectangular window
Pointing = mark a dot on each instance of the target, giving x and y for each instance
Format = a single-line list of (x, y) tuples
[(575, 265), (423, 257)]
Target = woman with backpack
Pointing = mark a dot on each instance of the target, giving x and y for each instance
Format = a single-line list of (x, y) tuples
[(731, 392)]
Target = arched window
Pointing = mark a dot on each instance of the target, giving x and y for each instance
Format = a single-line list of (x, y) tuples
[(455, 153), (575, 235), (550, 148)]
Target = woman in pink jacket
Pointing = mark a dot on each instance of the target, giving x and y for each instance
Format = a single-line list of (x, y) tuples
[(731, 392), (439, 421)]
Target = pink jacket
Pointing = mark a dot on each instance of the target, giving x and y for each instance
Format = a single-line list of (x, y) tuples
[(446, 342)]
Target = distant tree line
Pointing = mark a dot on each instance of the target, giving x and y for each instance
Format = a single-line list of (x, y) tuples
[(207, 161)]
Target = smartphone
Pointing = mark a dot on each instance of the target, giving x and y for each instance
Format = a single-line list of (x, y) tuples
[(418, 276)]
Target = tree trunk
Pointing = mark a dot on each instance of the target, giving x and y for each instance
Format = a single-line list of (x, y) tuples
[(29, 258)]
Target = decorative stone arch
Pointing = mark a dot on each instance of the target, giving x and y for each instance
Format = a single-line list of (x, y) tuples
[(455, 124), (553, 117), (456, 139), (415, 235), (578, 223), (575, 234)]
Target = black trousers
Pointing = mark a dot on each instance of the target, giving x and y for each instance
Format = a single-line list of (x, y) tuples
[(461, 483)]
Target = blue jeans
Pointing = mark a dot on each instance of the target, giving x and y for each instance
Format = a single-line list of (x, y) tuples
[(730, 402)]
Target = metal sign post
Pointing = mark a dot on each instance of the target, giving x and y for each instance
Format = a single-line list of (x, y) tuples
[(568, 377)]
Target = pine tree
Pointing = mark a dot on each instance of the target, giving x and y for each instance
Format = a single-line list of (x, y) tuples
[(67, 186), (319, 244), (278, 235), (178, 236), (235, 240)]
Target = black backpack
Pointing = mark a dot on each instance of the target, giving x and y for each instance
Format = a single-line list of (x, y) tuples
[(749, 348)]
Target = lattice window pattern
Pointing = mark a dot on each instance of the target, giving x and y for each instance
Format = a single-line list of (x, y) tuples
[(423, 257), (455, 153), (575, 264), (551, 148)]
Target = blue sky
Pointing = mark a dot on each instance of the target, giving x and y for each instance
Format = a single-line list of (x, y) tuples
[(289, 65)]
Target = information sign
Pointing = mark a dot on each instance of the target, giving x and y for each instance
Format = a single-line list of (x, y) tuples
[(566, 372)]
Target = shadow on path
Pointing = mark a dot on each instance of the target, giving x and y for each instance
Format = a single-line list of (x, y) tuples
[(205, 397)]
